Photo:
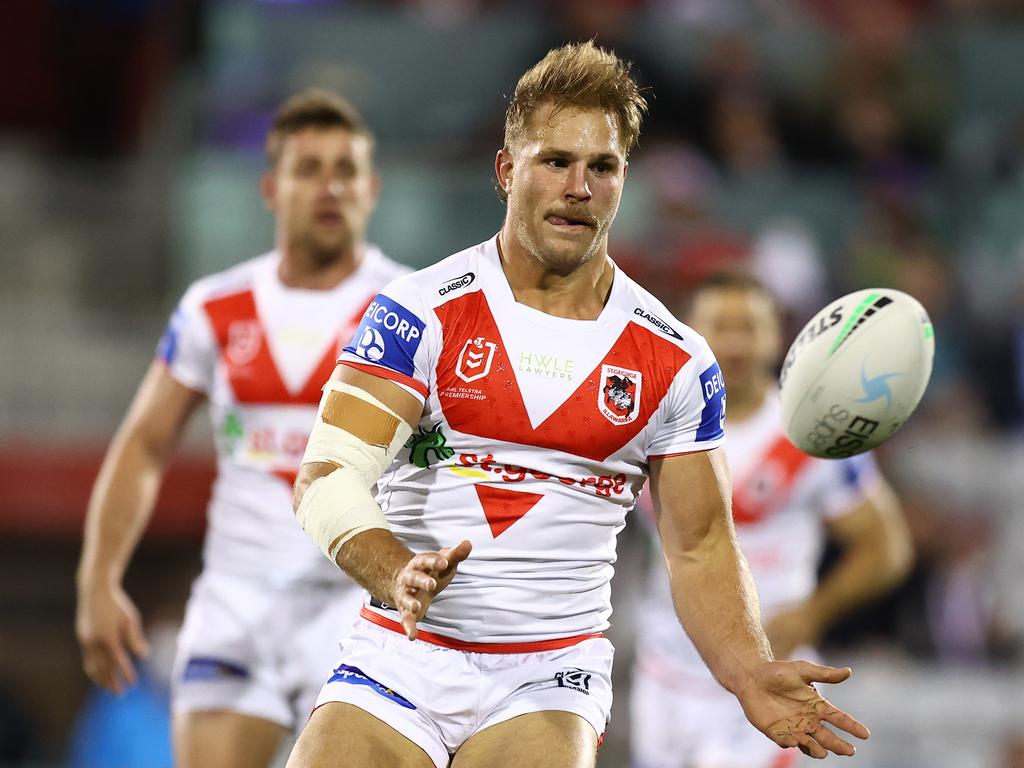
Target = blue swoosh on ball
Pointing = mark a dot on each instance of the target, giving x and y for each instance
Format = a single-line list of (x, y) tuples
[(876, 388)]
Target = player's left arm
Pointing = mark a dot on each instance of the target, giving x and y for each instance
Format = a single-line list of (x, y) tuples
[(715, 598), (877, 553)]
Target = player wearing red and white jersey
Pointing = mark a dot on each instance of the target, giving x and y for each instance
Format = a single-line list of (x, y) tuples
[(535, 434), (783, 503), (511, 401), (256, 341)]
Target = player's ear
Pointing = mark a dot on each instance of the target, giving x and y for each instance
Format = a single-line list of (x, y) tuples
[(503, 169), (268, 190)]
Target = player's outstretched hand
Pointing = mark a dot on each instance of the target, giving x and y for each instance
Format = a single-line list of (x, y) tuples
[(782, 703), (109, 632), (422, 579)]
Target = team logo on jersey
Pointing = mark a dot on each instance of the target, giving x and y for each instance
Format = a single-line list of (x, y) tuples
[(475, 359), (244, 339), (371, 345), (575, 679), (619, 398), (427, 442)]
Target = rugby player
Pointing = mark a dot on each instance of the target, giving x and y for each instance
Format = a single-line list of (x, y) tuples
[(511, 400), (257, 342), (784, 503)]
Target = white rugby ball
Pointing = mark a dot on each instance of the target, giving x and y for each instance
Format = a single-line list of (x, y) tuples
[(856, 372)]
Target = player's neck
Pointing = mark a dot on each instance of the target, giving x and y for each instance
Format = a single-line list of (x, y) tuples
[(299, 269), (743, 403), (579, 295)]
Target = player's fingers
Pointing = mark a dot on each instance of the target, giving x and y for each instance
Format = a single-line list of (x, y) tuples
[(123, 669), (107, 663), (105, 676), (409, 624), (454, 556), (137, 639), (96, 669), (427, 562), (458, 553), (408, 601), (819, 673), (784, 739), (833, 743), (810, 747), (840, 719), (415, 580)]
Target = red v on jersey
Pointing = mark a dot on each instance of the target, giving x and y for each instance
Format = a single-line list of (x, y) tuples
[(503, 507), (251, 369), (767, 487), (577, 426)]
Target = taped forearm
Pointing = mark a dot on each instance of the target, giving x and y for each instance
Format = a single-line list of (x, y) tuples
[(360, 435)]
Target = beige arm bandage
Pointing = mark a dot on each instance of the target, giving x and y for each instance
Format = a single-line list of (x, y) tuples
[(358, 433)]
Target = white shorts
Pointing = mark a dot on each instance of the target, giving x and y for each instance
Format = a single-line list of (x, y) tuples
[(439, 697), (259, 649), (680, 721)]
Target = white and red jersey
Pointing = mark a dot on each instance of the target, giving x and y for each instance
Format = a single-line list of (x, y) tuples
[(260, 352), (781, 501), (534, 440)]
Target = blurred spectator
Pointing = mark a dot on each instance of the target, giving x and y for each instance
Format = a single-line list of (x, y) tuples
[(721, 14), (879, 99), (787, 260), (744, 135), (609, 23), (684, 243)]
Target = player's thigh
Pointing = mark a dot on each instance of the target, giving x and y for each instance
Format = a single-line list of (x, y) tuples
[(548, 739), (220, 739), (340, 735)]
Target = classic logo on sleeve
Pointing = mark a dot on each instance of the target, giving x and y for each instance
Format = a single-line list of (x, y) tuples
[(619, 396), (388, 335), (712, 418)]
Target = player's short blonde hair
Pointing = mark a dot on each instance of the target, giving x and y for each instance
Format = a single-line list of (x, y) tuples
[(578, 75), (313, 108)]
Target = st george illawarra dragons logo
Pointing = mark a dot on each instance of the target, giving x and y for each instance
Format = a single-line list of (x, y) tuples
[(619, 396)]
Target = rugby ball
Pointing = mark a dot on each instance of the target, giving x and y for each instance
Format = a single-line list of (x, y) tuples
[(856, 372)]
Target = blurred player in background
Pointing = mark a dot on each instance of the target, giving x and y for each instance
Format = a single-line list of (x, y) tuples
[(783, 503), (511, 399), (257, 341)]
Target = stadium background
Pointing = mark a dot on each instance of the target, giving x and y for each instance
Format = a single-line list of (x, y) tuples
[(829, 145)]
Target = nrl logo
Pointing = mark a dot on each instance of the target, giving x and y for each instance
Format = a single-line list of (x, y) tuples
[(244, 339), (475, 359), (619, 396)]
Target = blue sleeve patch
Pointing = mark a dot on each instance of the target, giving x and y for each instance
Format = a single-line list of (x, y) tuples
[(388, 335), (712, 418), (167, 349)]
